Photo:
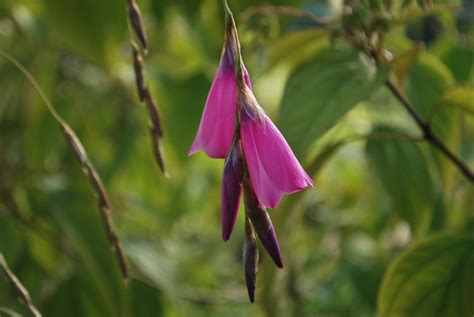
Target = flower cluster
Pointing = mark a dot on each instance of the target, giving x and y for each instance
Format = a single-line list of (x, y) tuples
[(258, 160)]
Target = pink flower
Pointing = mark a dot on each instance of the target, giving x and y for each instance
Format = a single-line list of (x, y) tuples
[(231, 189), (216, 130), (274, 170)]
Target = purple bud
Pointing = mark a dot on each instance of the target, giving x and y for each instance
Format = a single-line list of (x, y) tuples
[(231, 189), (250, 259), (261, 222)]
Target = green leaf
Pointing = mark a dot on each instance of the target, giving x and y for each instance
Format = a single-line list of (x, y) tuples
[(460, 61), (461, 97), (404, 63), (89, 27), (297, 46), (321, 92), (11, 242), (402, 170), (432, 278), (428, 80)]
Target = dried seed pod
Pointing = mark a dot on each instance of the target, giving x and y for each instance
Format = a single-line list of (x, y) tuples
[(261, 222), (135, 17), (157, 151), (139, 68), (101, 193), (18, 287), (250, 259), (74, 142), (154, 113)]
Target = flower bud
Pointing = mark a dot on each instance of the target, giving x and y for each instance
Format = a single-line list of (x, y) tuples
[(231, 189), (250, 259), (261, 222)]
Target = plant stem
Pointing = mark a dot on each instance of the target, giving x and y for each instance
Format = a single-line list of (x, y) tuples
[(428, 133)]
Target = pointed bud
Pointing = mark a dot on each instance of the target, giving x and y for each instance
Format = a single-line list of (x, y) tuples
[(135, 17), (250, 259), (261, 222), (231, 189)]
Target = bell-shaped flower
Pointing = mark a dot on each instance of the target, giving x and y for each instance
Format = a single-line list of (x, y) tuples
[(231, 189), (216, 129), (274, 170)]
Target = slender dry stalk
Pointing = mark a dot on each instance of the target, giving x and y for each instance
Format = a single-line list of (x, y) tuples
[(18, 287), (144, 94), (139, 68), (87, 166), (101, 193), (136, 22)]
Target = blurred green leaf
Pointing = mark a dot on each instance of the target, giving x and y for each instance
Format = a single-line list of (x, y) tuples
[(404, 63), (403, 173), (460, 61), (429, 78), (11, 241), (321, 92), (297, 46), (146, 300), (432, 278), (461, 97), (89, 27)]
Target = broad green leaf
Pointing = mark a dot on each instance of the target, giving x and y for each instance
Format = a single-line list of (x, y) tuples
[(322, 91), (461, 97), (428, 80), (403, 173), (432, 278)]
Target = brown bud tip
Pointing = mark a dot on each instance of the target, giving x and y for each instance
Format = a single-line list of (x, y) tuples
[(262, 223), (250, 260)]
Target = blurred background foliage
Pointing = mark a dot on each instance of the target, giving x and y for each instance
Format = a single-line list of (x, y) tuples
[(388, 232)]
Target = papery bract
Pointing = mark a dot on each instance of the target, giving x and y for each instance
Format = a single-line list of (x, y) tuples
[(231, 189), (274, 170)]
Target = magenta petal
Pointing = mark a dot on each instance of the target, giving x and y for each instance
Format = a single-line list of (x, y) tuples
[(231, 190), (274, 170), (216, 129)]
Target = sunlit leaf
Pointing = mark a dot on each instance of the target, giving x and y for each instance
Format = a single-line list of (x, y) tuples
[(403, 64), (321, 92), (432, 278), (461, 97), (297, 46)]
